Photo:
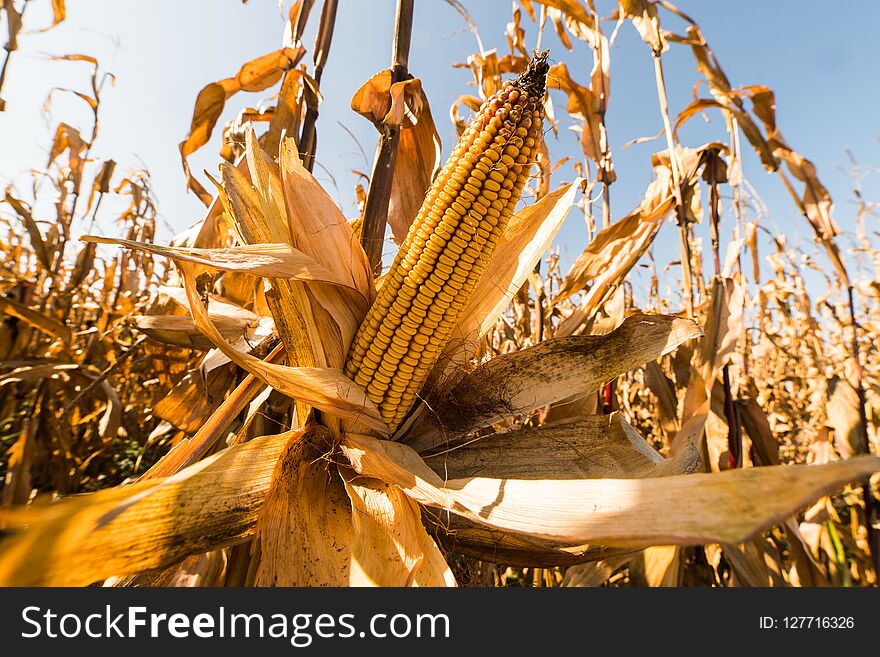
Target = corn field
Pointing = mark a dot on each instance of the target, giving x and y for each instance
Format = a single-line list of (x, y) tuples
[(425, 392)]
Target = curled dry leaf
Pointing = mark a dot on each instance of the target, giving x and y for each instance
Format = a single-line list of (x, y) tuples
[(69, 139), (418, 162), (571, 8), (181, 331), (382, 102), (256, 75), (590, 447), (589, 104), (403, 104), (643, 14)]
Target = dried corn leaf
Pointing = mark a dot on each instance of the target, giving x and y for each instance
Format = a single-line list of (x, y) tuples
[(592, 447), (667, 402), (748, 565), (147, 525), (723, 328), (48, 325), (13, 26), (614, 251), (36, 237), (304, 530), (110, 421), (843, 416), (179, 331), (418, 162), (576, 10), (765, 447), (325, 388), (728, 506), (462, 536), (255, 217), (659, 565), (319, 229), (256, 75), (268, 260), (18, 484), (815, 202), (59, 13), (191, 400), (33, 373), (391, 546), (403, 104), (243, 328), (560, 368), (69, 139), (589, 105), (643, 14), (559, 25), (382, 102)]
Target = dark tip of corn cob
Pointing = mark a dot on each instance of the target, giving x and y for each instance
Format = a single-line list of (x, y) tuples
[(534, 80)]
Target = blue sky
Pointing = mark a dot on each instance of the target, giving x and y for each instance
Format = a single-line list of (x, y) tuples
[(821, 66)]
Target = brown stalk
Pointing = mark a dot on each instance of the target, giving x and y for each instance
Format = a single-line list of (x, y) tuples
[(606, 204), (731, 415), (540, 299), (309, 136), (379, 194), (605, 163), (684, 242)]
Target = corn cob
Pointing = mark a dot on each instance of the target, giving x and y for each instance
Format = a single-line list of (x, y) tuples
[(448, 245)]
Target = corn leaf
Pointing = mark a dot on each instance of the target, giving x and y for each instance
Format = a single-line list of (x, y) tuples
[(325, 388), (268, 260), (728, 506)]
